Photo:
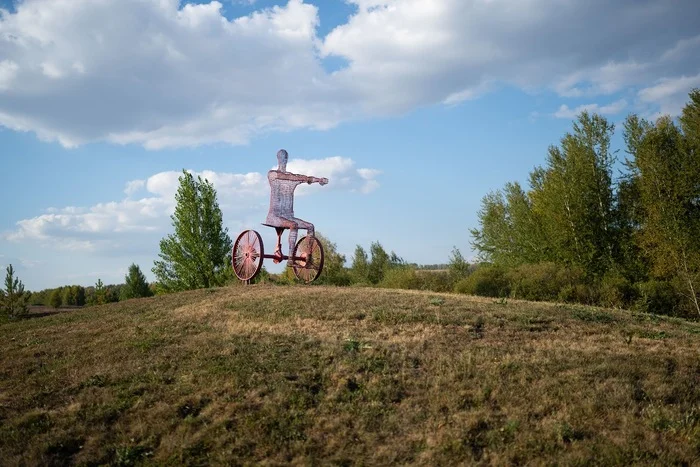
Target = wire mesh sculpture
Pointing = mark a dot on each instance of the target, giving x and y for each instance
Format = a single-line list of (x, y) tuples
[(306, 255)]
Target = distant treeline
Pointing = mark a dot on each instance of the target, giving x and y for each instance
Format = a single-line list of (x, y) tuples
[(134, 286)]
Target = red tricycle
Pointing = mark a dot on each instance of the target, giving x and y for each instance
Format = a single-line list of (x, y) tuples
[(248, 254)]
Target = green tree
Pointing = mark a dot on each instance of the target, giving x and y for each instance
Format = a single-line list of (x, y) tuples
[(100, 295), (68, 296), (575, 200), (198, 254), (458, 267), (360, 265), (56, 298), (13, 299), (569, 214), (510, 232), (667, 161), (379, 263), (334, 271), (135, 284), (79, 294)]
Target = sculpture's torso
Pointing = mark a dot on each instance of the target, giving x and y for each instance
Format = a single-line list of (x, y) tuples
[(281, 197)]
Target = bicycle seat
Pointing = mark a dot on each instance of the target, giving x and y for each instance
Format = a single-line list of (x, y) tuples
[(274, 226)]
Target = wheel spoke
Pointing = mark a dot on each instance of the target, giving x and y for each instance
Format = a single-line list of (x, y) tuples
[(239, 269)]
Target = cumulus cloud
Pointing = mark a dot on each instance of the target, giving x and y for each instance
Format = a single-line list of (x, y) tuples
[(122, 225), (155, 73), (610, 109), (408, 53), (134, 186), (340, 170), (670, 94), (161, 73)]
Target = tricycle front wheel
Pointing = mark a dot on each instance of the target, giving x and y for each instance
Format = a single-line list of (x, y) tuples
[(308, 263)]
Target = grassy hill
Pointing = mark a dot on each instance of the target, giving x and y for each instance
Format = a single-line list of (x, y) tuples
[(346, 376)]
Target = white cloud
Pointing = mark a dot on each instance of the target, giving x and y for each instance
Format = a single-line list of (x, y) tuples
[(133, 186), (670, 94), (159, 73), (613, 108), (122, 225), (409, 53), (8, 71), (340, 171)]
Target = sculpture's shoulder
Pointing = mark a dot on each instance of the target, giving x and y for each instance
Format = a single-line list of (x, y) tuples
[(273, 174)]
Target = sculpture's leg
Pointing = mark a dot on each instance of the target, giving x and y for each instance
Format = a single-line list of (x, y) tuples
[(292, 243), (278, 248), (302, 224)]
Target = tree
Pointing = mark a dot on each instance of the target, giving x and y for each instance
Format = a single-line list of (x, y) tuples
[(458, 268), (334, 271), (69, 297), (667, 163), (13, 299), (567, 216), (56, 298), (99, 294), (198, 254), (360, 265), (79, 294), (379, 263), (511, 231), (135, 285), (575, 199)]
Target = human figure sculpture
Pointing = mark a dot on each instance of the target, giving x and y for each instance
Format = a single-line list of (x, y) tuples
[(281, 213)]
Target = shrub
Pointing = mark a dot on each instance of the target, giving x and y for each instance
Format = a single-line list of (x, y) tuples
[(486, 280), (615, 291), (400, 278), (658, 297), (542, 281), (435, 281), (578, 293)]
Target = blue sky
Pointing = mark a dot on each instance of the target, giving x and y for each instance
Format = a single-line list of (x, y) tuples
[(413, 109)]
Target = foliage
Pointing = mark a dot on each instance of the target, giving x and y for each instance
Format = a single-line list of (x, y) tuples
[(666, 166), (359, 270), (56, 298), (101, 294), (436, 281), (641, 228), (542, 281), (658, 297), (198, 253), (400, 278), (487, 280), (458, 267), (378, 264), (568, 216), (334, 271), (13, 299), (616, 291), (135, 284)]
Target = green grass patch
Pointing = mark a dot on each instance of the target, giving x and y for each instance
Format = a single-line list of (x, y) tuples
[(321, 375)]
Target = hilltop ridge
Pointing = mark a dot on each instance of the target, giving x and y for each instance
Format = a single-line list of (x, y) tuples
[(348, 375)]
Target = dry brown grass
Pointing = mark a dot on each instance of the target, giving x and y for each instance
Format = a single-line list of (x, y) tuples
[(302, 375)]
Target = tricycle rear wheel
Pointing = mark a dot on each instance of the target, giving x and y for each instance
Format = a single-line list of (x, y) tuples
[(247, 255)]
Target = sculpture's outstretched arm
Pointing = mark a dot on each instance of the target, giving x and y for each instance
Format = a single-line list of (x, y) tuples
[(300, 178)]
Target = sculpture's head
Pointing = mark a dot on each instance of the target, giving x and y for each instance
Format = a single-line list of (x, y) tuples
[(282, 160)]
